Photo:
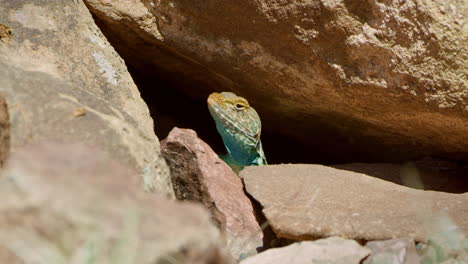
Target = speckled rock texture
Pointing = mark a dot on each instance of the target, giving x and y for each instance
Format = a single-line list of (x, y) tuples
[(380, 79), (198, 174), (311, 201), (64, 81), (69, 203)]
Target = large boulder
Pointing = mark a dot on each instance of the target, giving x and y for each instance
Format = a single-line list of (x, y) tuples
[(378, 79), (308, 201), (69, 203), (63, 81)]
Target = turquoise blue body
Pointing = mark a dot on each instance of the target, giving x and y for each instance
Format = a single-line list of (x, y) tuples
[(241, 152)]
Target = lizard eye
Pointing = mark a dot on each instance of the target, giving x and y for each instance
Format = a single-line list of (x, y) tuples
[(239, 106)]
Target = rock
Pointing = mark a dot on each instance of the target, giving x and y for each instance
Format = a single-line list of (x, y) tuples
[(394, 251), (427, 174), (383, 80), (64, 81), (198, 174), (309, 201), (4, 131), (333, 250), (6, 256), (447, 242), (65, 203)]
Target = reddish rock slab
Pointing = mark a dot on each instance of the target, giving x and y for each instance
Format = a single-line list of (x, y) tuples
[(4, 131), (198, 174), (333, 250), (73, 204), (311, 201)]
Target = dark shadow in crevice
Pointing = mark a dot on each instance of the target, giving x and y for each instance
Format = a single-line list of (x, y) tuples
[(175, 89)]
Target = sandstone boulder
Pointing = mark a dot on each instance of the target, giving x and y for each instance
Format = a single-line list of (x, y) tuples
[(64, 81), (380, 80), (309, 201)]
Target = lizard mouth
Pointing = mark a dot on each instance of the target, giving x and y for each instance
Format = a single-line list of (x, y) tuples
[(213, 104), (216, 109)]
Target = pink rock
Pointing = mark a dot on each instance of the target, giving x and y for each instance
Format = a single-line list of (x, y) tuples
[(303, 201), (198, 174)]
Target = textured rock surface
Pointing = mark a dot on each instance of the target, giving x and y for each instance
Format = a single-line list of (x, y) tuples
[(427, 174), (333, 250), (309, 201), (379, 79), (72, 204), (448, 244), (394, 251), (63, 81), (198, 174), (4, 131)]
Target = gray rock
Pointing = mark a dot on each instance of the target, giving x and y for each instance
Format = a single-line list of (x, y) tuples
[(310, 201), (448, 243), (394, 251), (6, 256), (198, 174), (65, 203), (64, 81), (333, 250)]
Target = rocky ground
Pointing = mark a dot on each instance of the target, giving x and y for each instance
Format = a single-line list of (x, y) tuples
[(364, 106)]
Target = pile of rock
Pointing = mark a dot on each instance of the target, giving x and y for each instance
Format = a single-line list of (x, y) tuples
[(85, 180)]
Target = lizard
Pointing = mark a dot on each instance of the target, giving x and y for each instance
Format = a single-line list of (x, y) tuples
[(239, 126)]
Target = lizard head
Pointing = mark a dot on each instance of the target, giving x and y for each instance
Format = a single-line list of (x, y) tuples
[(233, 114), (228, 101)]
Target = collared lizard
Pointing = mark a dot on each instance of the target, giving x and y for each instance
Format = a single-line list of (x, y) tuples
[(239, 126)]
